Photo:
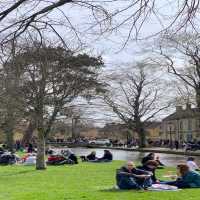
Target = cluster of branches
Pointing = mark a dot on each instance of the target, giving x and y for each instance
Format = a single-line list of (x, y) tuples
[(17, 17), (180, 56)]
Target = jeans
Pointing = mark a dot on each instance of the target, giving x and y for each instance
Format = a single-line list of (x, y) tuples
[(177, 183), (128, 182), (100, 160)]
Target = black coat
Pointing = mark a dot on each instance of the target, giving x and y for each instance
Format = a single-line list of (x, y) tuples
[(91, 157), (146, 168)]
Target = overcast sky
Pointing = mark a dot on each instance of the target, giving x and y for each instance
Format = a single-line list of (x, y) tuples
[(109, 44)]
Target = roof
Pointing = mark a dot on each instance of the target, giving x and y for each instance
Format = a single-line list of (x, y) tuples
[(121, 127), (152, 124), (183, 114)]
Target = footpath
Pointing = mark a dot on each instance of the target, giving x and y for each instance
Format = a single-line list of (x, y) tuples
[(152, 149)]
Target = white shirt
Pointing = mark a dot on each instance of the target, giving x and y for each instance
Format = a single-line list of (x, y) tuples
[(192, 165), (31, 160)]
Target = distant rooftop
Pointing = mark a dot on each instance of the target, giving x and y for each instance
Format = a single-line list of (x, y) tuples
[(181, 113)]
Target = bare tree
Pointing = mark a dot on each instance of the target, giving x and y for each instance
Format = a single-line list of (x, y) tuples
[(181, 55), (17, 17), (184, 93), (40, 16), (136, 99)]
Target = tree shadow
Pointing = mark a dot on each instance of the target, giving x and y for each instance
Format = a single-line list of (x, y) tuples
[(115, 190), (18, 173)]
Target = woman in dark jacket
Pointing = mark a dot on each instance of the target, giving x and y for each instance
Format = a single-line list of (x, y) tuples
[(150, 156), (91, 156), (150, 166), (106, 157)]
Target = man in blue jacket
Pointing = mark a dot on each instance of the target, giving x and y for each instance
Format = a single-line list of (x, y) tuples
[(129, 177)]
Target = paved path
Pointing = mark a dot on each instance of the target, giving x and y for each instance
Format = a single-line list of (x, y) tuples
[(155, 150)]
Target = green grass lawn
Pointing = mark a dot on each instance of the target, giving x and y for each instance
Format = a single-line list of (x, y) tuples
[(86, 181)]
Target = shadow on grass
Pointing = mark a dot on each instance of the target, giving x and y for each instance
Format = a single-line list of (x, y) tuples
[(18, 173), (118, 190)]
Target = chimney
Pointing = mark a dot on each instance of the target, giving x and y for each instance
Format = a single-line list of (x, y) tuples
[(178, 108)]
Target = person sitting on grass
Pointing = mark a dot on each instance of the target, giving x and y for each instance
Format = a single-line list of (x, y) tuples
[(191, 164), (30, 159), (160, 164), (90, 157), (150, 166), (107, 157), (150, 156), (186, 178), (68, 153), (129, 177)]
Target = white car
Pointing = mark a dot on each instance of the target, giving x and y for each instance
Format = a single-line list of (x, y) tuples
[(100, 142)]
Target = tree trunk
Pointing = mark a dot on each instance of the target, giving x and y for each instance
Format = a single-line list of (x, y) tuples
[(141, 134), (139, 128), (9, 139), (29, 133), (142, 138), (40, 161), (9, 131), (198, 98)]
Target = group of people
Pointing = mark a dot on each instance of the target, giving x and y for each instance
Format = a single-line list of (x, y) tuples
[(143, 176), (66, 156), (107, 157), (129, 176)]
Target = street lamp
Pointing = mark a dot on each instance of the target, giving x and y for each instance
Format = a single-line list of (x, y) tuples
[(170, 134)]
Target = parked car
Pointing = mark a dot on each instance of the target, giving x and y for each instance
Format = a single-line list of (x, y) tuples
[(100, 142)]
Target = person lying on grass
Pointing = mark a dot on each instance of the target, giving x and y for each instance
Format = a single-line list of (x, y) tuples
[(129, 177), (186, 178), (91, 156)]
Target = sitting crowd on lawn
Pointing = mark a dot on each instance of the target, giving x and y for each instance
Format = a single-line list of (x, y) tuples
[(129, 176), (144, 176), (107, 157)]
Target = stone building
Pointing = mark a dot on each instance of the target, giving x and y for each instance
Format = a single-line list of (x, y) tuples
[(182, 125), (119, 131), (154, 130), (114, 131)]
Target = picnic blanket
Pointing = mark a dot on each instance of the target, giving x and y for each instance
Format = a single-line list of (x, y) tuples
[(163, 187)]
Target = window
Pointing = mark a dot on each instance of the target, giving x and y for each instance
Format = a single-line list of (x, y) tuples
[(189, 124), (198, 123), (181, 125)]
